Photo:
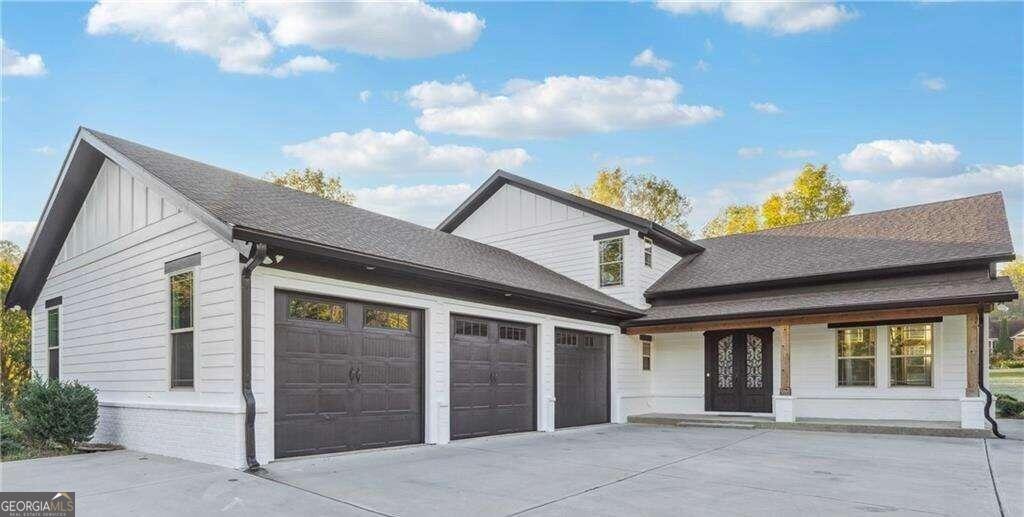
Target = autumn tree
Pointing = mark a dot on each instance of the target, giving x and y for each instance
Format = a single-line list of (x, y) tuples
[(1015, 270), (313, 181), (15, 330), (644, 195), (815, 195)]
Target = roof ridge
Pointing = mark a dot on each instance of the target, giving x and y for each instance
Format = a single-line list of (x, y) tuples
[(852, 216)]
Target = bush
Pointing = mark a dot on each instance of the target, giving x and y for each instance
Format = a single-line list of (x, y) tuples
[(1008, 406), (59, 412), (1011, 363), (10, 435)]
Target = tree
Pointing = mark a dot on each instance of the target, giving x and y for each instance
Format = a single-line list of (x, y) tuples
[(815, 195), (313, 181), (15, 331), (644, 195), (1015, 270)]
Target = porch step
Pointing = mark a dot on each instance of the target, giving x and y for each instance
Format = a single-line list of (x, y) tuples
[(724, 425)]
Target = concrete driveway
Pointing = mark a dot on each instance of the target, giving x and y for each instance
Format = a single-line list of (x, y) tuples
[(602, 470)]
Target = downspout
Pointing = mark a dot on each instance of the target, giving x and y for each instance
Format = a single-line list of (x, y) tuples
[(981, 375), (257, 253)]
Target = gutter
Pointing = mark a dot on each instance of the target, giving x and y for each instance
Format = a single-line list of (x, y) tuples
[(257, 253), (981, 376)]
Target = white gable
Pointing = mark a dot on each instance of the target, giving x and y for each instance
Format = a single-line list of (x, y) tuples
[(117, 205)]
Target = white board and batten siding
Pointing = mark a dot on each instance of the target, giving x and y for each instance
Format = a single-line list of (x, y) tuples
[(561, 238), (677, 380), (115, 321)]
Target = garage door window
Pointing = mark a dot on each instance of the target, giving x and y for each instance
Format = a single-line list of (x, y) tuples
[(316, 310), (182, 330), (470, 328), (565, 338), (379, 317), (512, 333)]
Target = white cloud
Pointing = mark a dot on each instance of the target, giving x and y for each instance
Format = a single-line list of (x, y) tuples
[(17, 64), (749, 152), (44, 150), (381, 29), (702, 66), (901, 155), (422, 204), (933, 84), (302, 64), (779, 18), (18, 232), (364, 96), (398, 154), (708, 46), (236, 34), (559, 106), (649, 60), (766, 107), (796, 153)]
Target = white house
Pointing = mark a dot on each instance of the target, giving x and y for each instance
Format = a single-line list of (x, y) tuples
[(227, 320)]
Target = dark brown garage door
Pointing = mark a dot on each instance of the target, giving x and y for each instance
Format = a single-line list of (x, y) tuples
[(347, 375), (493, 377), (581, 378)]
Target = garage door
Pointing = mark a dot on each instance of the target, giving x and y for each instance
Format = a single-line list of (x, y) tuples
[(347, 375), (581, 378), (493, 377)]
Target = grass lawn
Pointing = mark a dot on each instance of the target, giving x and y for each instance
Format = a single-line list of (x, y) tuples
[(1007, 380)]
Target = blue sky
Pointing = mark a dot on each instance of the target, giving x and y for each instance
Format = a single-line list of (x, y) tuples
[(413, 107)]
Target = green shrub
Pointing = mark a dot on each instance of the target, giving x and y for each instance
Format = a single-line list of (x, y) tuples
[(59, 412), (1008, 406), (1010, 363), (10, 435)]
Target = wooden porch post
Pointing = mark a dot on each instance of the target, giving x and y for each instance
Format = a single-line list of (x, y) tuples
[(974, 320), (785, 388)]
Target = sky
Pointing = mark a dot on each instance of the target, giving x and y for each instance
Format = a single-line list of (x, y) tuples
[(414, 105)]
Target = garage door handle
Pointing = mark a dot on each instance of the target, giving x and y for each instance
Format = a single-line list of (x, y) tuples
[(494, 378), (351, 373), (326, 417), (359, 375)]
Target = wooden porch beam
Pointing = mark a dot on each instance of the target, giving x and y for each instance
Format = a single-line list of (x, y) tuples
[(785, 388), (974, 321), (807, 319)]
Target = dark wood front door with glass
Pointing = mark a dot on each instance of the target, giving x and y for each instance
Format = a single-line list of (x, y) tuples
[(738, 370)]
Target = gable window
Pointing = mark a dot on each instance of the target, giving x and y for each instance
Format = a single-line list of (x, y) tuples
[(182, 286), (910, 354), (382, 318), (648, 252), (645, 356), (53, 342), (471, 328), (855, 352), (610, 261)]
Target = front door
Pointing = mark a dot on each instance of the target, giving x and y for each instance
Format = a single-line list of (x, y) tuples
[(738, 370)]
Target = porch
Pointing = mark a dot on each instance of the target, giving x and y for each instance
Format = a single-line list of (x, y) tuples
[(904, 371)]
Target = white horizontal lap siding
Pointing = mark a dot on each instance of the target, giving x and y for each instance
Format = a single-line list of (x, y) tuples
[(678, 376), (437, 312), (115, 322), (556, 236)]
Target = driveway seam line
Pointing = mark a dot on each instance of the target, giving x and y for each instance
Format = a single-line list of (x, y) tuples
[(992, 475), (335, 499), (635, 474)]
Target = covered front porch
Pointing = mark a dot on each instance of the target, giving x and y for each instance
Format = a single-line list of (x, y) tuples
[(900, 371)]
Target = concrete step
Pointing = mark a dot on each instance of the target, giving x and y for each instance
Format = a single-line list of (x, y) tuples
[(724, 425)]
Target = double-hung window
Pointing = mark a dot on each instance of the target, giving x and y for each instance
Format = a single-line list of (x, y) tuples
[(645, 356), (855, 352), (182, 289), (648, 252), (53, 342), (609, 259), (910, 354)]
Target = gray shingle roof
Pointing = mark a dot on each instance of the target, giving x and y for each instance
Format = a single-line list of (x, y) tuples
[(966, 229), (965, 286), (246, 202)]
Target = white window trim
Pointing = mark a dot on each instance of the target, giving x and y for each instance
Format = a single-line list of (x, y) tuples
[(648, 252), (194, 329), (836, 359), (649, 355), (60, 340), (882, 381), (622, 261)]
